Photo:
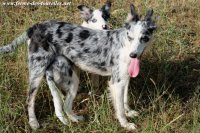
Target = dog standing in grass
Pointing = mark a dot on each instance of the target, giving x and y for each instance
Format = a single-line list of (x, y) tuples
[(94, 19), (114, 53)]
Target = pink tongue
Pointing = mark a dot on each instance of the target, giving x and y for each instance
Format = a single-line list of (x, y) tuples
[(134, 67)]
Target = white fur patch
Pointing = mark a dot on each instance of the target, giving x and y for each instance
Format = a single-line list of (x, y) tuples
[(100, 22), (136, 46)]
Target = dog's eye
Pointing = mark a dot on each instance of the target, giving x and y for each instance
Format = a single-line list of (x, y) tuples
[(145, 39), (130, 38), (94, 20)]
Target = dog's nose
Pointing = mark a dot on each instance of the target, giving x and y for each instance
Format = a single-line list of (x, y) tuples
[(133, 55), (105, 27)]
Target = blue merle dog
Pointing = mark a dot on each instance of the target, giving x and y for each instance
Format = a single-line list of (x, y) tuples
[(94, 19), (56, 48)]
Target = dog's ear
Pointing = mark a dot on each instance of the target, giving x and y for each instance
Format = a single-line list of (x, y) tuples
[(133, 16), (106, 7), (106, 10), (149, 14), (150, 22), (86, 12)]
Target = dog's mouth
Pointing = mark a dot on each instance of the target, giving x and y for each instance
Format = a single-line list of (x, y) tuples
[(134, 67)]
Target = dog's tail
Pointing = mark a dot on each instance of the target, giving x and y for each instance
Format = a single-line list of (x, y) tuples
[(19, 40), (15, 43)]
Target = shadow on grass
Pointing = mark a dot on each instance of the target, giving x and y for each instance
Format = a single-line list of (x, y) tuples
[(176, 79)]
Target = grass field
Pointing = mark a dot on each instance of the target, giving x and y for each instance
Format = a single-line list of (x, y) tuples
[(166, 93)]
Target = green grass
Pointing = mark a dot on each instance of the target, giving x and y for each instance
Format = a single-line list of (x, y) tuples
[(166, 93)]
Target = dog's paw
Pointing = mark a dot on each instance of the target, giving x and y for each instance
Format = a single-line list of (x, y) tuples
[(75, 118), (63, 120), (34, 124), (131, 113), (129, 126)]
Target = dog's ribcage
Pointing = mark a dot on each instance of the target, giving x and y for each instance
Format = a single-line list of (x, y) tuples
[(92, 50)]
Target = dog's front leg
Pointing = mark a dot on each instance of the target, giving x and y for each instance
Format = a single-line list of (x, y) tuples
[(117, 89), (128, 111)]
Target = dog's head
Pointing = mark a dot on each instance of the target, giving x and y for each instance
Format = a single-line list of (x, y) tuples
[(95, 19), (139, 33)]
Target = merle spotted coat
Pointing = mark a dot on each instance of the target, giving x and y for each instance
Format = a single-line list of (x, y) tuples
[(107, 53)]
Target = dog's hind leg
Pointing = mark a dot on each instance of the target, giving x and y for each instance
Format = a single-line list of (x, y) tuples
[(35, 79), (73, 88), (128, 111), (66, 79), (38, 63), (58, 103)]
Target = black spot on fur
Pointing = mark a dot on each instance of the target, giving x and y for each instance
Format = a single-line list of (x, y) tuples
[(150, 31), (105, 53), (84, 34), (95, 39), (72, 28), (111, 41), (49, 37), (97, 51), (108, 33), (61, 24), (56, 45), (82, 44), (69, 82), (79, 55), (31, 59), (70, 72), (69, 38), (103, 63), (37, 41), (45, 45), (117, 36), (72, 57), (118, 80), (58, 31), (86, 50), (111, 61), (147, 32), (144, 39), (38, 58), (32, 29), (70, 63)]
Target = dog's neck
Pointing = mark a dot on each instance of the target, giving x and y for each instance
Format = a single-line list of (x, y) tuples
[(121, 34), (123, 45)]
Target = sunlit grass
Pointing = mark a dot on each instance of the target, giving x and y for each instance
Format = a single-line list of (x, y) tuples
[(166, 93)]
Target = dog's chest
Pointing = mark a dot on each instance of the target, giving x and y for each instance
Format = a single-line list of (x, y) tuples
[(124, 55)]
